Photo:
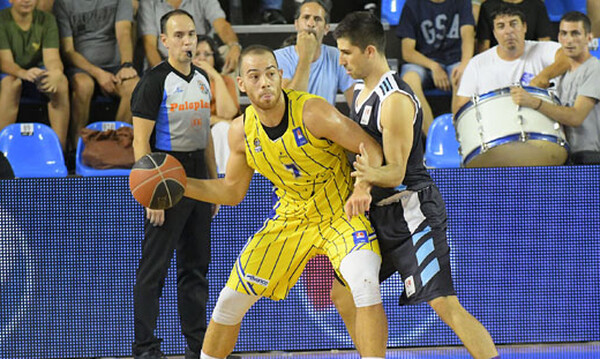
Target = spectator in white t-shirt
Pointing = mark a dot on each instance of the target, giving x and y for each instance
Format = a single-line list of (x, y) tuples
[(513, 60)]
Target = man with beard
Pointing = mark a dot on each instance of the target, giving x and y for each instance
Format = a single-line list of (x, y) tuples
[(310, 65)]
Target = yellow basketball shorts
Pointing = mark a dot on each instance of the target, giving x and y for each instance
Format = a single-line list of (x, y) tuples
[(274, 258)]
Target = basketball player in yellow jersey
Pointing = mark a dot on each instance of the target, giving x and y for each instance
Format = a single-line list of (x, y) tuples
[(297, 141)]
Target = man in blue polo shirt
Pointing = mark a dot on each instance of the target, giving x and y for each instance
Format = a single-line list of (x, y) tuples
[(309, 65), (438, 40)]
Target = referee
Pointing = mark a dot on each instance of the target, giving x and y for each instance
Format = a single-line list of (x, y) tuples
[(171, 113)]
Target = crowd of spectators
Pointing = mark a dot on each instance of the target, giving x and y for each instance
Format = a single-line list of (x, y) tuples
[(70, 54)]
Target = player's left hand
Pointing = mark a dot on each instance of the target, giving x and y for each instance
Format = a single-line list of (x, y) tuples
[(363, 171), (359, 201)]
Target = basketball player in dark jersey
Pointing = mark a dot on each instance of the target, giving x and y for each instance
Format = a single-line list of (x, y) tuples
[(407, 210)]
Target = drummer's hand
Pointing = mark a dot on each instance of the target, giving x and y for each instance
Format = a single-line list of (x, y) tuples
[(440, 77), (523, 98), (540, 81)]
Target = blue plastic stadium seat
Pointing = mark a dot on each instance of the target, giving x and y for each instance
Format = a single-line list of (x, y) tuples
[(391, 10), (433, 92), (84, 170), (441, 150), (4, 4), (33, 150), (557, 8)]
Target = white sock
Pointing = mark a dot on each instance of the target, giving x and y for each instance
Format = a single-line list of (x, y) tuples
[(203, 355)]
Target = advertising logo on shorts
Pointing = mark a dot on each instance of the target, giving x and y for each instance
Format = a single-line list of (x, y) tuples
[(17, 275)]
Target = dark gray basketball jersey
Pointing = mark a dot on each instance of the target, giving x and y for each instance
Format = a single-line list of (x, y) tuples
[(179, 104), (367, 115)]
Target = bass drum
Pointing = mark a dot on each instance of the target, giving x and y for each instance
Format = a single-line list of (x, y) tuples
[(494, 132)]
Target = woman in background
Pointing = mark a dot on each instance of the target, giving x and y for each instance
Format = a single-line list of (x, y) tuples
[(208, 58)]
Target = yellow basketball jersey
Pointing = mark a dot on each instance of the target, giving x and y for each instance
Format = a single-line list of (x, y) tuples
[(311, 175)]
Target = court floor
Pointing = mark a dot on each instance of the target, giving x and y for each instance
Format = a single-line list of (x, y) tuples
[(589, 350)]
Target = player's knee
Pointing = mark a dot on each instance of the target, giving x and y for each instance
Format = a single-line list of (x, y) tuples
[(232, 306), (361, 271)]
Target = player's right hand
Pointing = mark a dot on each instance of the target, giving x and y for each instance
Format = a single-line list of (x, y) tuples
[(155, 216)]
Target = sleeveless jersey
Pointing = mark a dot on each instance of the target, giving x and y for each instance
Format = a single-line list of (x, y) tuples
[(368, 116), (311, 175)]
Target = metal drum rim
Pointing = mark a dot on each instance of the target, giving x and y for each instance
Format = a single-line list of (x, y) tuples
[(514, 138), (502, 91)]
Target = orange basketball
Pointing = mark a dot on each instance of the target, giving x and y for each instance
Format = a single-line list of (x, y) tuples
[(157, 181)]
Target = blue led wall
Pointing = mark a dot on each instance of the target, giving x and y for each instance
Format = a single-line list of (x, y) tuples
[(525, 254)]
